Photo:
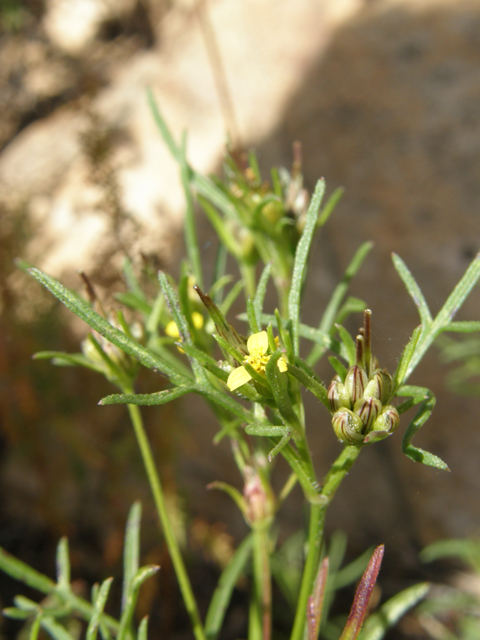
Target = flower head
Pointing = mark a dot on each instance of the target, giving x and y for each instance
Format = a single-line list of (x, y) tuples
[(257, 345)]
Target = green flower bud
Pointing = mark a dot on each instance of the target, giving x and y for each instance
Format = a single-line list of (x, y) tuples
[(380, 386), (388, 420), (338, 396), (355, 382), (367, 409), (347, 426)]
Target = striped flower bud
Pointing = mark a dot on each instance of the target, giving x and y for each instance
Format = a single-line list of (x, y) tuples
[(388, 420), (355, 383), (338, 396), (347, 426), (367, 409), (380, 386)]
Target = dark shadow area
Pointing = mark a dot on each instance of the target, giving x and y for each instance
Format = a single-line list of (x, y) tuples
[(391, 112)]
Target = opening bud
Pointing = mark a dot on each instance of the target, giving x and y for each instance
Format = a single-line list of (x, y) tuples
[(388, 420), (367, 409), (355, 382), (338, 396), (380, 387), (347, 426)]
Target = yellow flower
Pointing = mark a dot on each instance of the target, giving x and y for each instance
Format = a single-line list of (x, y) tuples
[(172, 330), (257, 346)]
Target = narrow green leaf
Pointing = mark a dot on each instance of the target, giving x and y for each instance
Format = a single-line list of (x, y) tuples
[(351, 305), (413, 289), (131, 550), (180, 320), (143, 629), (206, 361), (390, 613), (68, 360), (132, 301), (20, 571), (300, 264), (462, 326), (338, 367), (341, 289), (401, 372), (252, 317), (162, 125), (234, 493), (191, 239), (63, 565), (56, 630), (16, 614), (218, 223), (348, 342), (231, 296), (426, 407), (98, 607), (447, 312), (330, 205), (261, 291), (127, 614), (160, 397), (226, 584), (310, 383), (73, 302)]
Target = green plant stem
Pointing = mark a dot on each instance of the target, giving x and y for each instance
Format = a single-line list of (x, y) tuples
[(159, 499), (339, 470), (263, 581)]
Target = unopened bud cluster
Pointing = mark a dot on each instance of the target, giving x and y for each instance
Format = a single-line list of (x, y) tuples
[(360, 403)]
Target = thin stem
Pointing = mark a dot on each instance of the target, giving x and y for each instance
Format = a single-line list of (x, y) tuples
[(263, 584), (339, 470), (159, 499)]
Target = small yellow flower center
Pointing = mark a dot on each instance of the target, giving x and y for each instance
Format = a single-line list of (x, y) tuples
[(258, 361)]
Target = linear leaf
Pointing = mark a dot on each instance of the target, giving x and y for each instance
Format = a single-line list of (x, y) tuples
[(143, 629), (261, 291), (131, 550), (413, 289), (160, 397), (426, 407), (73, 302), (300, 264), (63, 564), (57, 631), (98, 607), (127, 614), (180, 320), (389, 613), (226, 584)]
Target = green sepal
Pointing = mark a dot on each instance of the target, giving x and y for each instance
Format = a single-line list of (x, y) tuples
[(279, 384)]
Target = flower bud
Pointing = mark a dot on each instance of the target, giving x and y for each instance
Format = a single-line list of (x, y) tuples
[(367, 409), (355, 382), (388, 420), (347, 426), (380, 386), (338, 396)]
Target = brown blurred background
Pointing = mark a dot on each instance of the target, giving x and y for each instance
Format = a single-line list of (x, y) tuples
[(385, 98)]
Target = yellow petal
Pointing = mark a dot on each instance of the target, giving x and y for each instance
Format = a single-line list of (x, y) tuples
[(237, 378), (197, 320), (172, 330), (282, 364), (257, 344)]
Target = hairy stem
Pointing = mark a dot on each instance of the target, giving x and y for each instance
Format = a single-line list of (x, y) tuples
[(339, 470)]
